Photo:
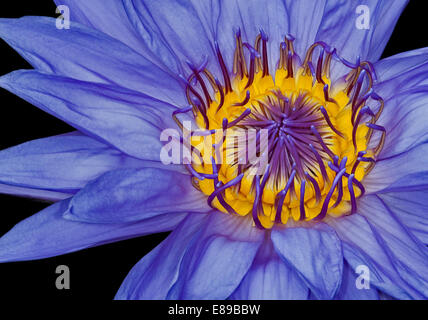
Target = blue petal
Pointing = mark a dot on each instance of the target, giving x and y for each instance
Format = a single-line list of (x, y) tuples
[(411, 209), (63, 163), (117, 19), (401, 244), (33, 193), (160, 24), (217, 258), (276, 18), (48, 234), (309, 21), (88, 55), (349, 291), (394, 173), (306, 18), (250, 17), (338, 29), (396, 259), (154, 275), (394, 72), (125, 195), (412, 182), (403, 84), (270, 279), (404, 121), (130, 121), (174, 26), (315, 254), (384, 279)]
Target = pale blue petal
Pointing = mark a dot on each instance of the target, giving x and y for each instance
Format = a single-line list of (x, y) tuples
[(308, 21), (338, 29), (217, 258), (33, 193), (412, 182), (404, 121), (154, 275), (126, 195), (403, 84), (368, 253), (306, 18), (410, 254), (316, 255), (349, 290), (375, 238), (89, 55), (63, 163), (395, 71), (276, 18), (269, 278), (130, 121), (411, 209), (174, 28), (160, 24), (392, 173), (115, 18), (250, 17), (48, 234)]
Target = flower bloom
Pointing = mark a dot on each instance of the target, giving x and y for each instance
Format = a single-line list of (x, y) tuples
[(332, 179)]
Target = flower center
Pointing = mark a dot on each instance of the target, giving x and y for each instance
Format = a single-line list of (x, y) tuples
[(292, 145)]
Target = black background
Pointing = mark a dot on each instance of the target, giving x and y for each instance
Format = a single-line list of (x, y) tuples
[(96, 273)]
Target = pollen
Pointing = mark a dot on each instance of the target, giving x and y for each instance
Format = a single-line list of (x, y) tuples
[(289, 144)]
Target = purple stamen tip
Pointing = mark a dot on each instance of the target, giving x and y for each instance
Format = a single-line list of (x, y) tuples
[(238, 32), (361, 76), (375, 127), (290, 37), (225, 123), (264, 35), (253, 52), (243, 103), (194, 172), (375, 96)]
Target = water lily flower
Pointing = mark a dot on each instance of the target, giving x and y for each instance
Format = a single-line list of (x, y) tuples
[(339, 209)]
